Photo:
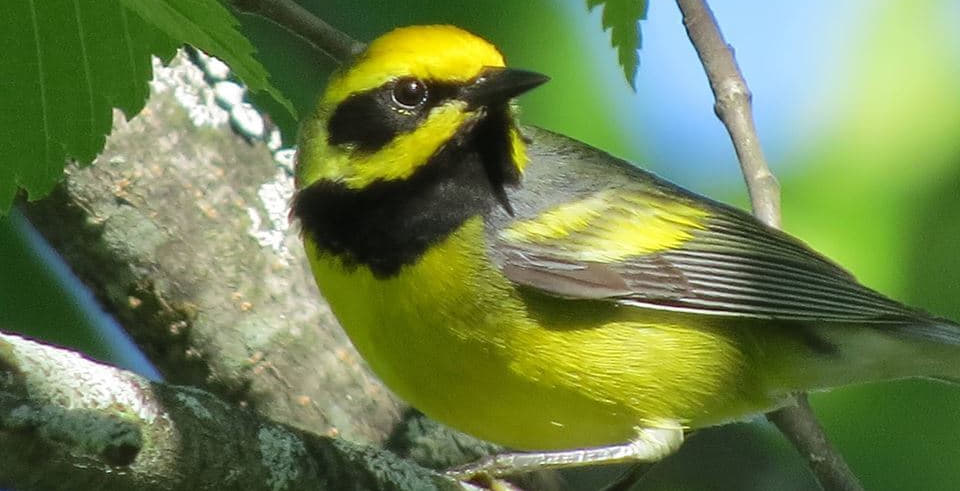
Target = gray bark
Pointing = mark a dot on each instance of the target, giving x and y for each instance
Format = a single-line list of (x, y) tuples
[(171, 228), (69, 423)]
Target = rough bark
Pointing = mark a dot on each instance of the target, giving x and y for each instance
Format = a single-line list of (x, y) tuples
[(181, 232), (69, 423)]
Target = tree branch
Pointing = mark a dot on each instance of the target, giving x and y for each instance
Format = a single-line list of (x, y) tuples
[(733, 108), (801, 427), (181, 232), (69, 423), (298, 20)]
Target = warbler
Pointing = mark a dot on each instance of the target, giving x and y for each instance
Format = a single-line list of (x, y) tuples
[(536, 292)]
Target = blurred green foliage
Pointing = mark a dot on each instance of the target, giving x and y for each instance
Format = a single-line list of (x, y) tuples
[(878, 189), (874, 182)]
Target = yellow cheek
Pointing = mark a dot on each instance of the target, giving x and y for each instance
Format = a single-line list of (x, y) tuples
[(409, 151), (518, 149), (317, 160)]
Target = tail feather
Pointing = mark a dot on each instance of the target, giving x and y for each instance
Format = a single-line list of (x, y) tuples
[(928, 348), (937, 350), (936, 330)]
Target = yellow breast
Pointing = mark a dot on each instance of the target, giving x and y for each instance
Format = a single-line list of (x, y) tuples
[(454, 338)]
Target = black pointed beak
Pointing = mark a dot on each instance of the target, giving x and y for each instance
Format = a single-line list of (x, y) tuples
[(498, 85)]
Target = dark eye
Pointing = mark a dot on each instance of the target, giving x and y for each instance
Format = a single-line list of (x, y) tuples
[(409, 92)]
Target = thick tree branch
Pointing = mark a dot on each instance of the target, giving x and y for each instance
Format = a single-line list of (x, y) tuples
[(181, 232), (298, 20), (69, 423), (733, 107)]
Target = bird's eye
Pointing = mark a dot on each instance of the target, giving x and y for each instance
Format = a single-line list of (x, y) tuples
[(409, 93)]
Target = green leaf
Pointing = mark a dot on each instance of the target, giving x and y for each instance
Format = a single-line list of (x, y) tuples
[(622, 18), (209, 26), (66, 65)]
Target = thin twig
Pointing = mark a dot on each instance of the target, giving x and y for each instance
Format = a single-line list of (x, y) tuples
[(288, 14), (733, 107), (801, 427)]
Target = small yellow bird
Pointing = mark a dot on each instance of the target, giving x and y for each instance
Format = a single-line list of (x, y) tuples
[(541, 294)]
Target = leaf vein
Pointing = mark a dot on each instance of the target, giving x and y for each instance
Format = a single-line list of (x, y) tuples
[(131, 56), (88, 77), (43, 92)]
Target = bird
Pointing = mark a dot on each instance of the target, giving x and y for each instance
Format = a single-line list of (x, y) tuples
[(531, 290)]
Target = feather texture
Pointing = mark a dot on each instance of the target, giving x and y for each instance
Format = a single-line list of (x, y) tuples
[(644, 242)]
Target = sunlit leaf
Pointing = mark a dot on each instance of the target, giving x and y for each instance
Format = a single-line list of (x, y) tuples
[(68, 64), (209, 26), (65, 66)]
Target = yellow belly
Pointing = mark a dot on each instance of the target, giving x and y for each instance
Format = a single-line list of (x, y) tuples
[(530, 371)]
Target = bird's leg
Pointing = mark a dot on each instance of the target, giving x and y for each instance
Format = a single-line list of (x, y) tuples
[(651, 445)]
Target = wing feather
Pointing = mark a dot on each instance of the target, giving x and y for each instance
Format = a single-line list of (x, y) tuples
[(694, 257)]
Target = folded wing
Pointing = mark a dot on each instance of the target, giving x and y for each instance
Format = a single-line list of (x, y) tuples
[(650, 249)]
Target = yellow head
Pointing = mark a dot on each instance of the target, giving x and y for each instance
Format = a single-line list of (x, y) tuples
[(411, 141), (414, 92), (440, 52)]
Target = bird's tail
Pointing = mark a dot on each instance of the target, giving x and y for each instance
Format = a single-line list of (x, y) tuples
[(936, 330), (928, 348), (940, 349)]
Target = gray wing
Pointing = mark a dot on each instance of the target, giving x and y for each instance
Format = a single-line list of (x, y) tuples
[(646, 243)]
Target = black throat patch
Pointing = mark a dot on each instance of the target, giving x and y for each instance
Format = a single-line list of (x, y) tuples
[(390, 224)]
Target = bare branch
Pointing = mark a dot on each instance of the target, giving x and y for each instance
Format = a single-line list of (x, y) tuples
[(298, 20), (800, 425), (69, 423), (733, 107)]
